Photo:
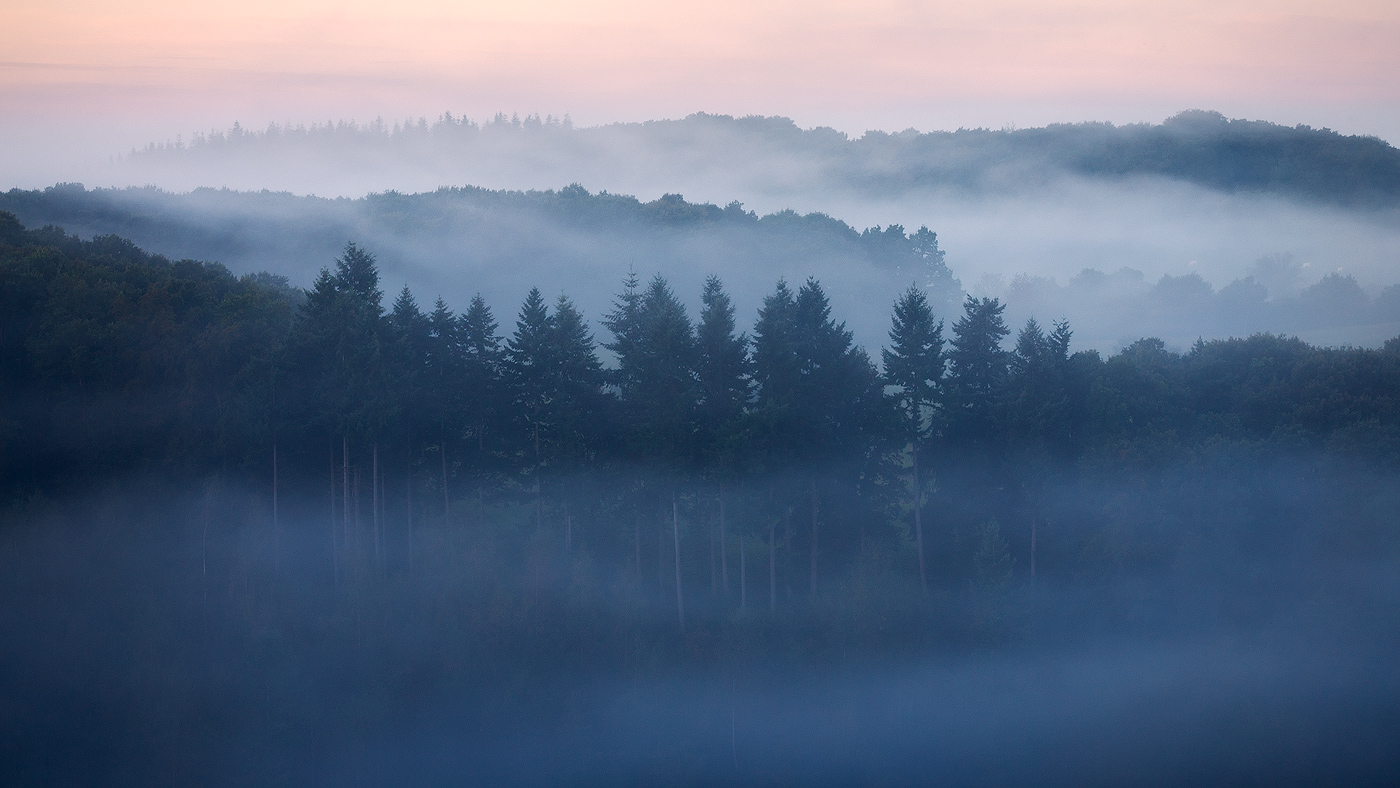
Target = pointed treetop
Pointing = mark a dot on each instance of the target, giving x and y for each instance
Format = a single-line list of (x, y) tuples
[(357, 273)]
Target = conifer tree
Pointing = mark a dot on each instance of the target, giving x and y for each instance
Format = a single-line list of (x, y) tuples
[(722, 363), (914, 365), (722, 373), (482, 390), (666, 391), (528, 370), (977, 368)]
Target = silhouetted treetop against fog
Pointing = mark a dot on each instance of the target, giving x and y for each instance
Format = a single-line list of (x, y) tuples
[(117, 359), (1197, 146)]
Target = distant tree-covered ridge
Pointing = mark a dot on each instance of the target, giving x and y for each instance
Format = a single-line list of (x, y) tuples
[(460, 241), (1196, 146)]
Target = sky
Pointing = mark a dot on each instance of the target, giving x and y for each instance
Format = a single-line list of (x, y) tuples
[(94, 77)]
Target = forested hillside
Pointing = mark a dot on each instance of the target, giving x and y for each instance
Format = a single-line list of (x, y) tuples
[(117, 362), (460, 242), (1199, 147), (303, 518)]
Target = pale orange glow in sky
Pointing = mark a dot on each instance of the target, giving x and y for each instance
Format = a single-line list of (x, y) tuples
[(875, 64)]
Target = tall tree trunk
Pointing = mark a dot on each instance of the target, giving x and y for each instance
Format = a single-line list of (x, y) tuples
[(1032, 551), (676, 534), (787, 554), (335, 552), (355, 496), (812, 487), (204, 565), (568, 531), (714, 570), (918, 520), (345, 489), (374, 497), (539, 504), (276, 526), (723, 554), (408, 507), (446, 505), (637, 543), (772, 568), (743, 577)]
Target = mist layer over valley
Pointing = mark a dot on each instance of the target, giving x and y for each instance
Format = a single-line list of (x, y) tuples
[(1063, 456), (1120, 260), (255, 533)]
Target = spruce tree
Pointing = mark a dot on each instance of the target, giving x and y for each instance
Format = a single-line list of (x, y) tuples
[(722, 362), (482, 385), (977, 368), (914, 365)]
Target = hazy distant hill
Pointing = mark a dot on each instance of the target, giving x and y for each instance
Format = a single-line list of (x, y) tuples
[(457, 242), (461, 241), (773, 154)]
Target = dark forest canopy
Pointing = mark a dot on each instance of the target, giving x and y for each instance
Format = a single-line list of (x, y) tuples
[(1200, 147), (115, 360)]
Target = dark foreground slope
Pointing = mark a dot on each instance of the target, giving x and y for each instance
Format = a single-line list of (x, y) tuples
[(1154, 568)]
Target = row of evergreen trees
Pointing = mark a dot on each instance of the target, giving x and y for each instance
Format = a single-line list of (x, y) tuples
[(787, 439)]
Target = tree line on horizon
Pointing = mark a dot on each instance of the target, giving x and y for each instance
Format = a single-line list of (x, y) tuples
[(785, 444), (1196, 146)]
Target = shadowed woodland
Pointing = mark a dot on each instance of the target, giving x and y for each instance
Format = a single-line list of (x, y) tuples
[(258, 483)]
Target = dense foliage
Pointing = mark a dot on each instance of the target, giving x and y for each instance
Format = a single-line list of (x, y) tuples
[(699, 442)]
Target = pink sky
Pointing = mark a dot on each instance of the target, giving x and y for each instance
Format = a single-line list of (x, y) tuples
[(159, 67)]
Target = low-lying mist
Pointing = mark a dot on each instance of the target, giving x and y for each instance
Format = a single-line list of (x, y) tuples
[(1199, 627)]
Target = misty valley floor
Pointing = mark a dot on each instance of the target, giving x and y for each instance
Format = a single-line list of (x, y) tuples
[(147, 643)]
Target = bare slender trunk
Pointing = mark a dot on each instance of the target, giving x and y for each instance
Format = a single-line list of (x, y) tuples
[(787, 553), (772, 569), (723, 554), (714, 571), (918, 520), (204, 567), (568, 531), (446, 505), (813, 490), (355, 495), (276, 526), (345, 488), (676, 533), (637, 542), (374, 496), (408, 506), (539, 504), (1032, 550), (335, 552), (743, 577)]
